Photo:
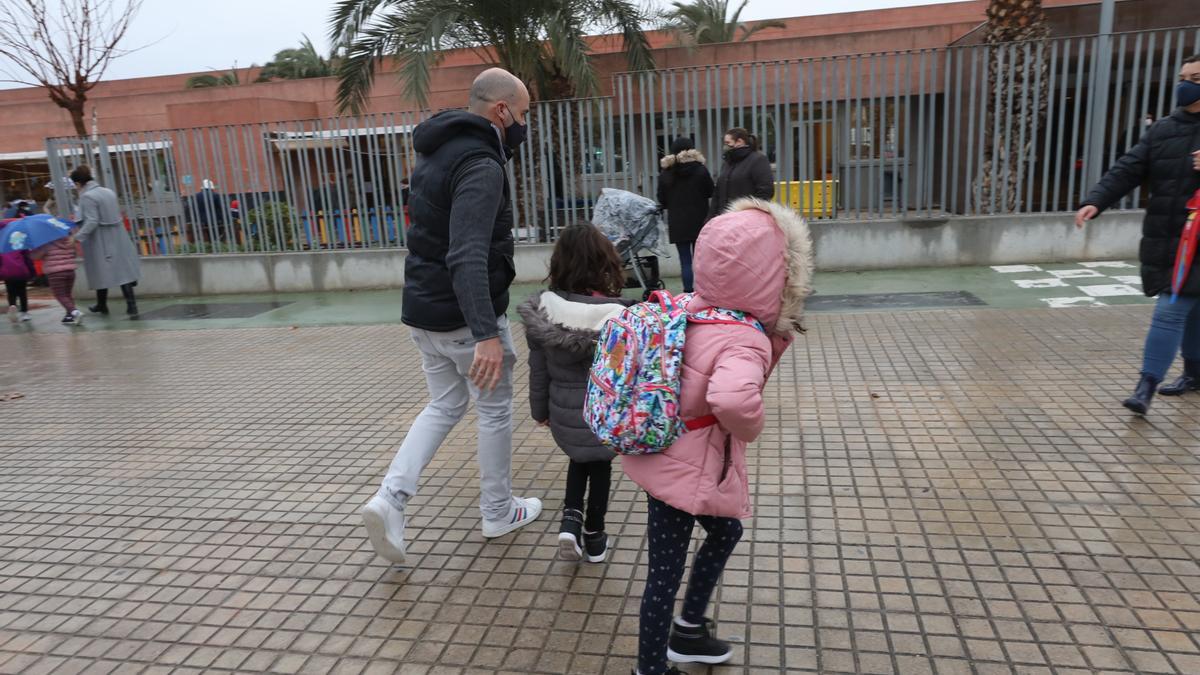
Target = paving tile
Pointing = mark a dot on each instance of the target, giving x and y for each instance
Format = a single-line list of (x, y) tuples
[(952, 491)]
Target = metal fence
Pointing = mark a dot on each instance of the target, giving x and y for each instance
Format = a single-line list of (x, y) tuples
[(963, 130)]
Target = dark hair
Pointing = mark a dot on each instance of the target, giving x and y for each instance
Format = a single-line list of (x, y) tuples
[(740, 134), (681, 144), (82, 175), (585, 261), (1194, 58)]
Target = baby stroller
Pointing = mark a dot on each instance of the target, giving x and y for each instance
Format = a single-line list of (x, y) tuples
[(632, 223)]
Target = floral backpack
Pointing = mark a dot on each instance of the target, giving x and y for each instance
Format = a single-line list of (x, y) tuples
[(633, 390)]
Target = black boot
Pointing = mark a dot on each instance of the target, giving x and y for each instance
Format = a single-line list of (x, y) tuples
[(130, 300), (1188, 381), (1140, 401), (101, 306), (697, 645)]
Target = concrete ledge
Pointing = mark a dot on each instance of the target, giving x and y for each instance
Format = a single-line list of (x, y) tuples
[(984, 240), (840, 245)]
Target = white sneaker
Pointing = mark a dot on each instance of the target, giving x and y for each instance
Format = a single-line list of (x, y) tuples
[(13, 316), (521, 513), (385, 528), (25, 317), (78, 316)]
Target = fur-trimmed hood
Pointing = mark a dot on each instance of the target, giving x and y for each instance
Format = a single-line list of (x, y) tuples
[(685, 157), (758, 258), (567, 321)]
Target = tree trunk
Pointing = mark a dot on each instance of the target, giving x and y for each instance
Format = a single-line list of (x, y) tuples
[(1006, 159)]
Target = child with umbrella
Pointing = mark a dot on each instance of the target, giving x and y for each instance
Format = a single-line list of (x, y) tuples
[(16, 269), (44, 237)]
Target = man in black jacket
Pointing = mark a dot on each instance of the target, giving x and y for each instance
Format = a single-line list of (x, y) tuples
[(456, 280), (1169, 157)]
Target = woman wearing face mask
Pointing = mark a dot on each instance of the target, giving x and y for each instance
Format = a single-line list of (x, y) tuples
[(1168, 155), (746, 173)]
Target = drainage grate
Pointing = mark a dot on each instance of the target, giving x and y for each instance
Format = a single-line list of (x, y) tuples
[(893, 301), (212, 310)]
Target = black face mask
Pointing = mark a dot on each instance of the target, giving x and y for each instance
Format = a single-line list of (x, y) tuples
[(515, 133)]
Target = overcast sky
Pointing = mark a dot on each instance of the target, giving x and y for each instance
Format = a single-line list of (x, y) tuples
[(189, 35)]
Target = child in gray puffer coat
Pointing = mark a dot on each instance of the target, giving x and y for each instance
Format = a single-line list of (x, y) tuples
[(562, 325)]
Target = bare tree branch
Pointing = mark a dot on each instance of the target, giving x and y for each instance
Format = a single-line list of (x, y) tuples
[(64, 46)]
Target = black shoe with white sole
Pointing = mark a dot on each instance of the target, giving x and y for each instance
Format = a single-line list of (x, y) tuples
[(569, 546), (697, 645), (596, 546)]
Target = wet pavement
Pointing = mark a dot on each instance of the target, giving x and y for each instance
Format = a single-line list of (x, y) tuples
[(937, 491)]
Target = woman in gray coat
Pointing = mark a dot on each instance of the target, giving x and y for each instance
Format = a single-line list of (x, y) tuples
[(108, 253), (561, 326)]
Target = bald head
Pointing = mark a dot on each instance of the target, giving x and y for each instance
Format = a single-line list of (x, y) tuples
[(496, 85), (502, 99)]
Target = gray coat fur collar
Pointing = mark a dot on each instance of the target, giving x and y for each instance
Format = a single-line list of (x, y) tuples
[(567, 321)]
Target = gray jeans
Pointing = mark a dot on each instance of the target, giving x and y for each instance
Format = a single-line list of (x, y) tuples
[(446, 358)]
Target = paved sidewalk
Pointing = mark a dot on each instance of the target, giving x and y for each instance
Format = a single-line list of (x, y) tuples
[(942, 491)]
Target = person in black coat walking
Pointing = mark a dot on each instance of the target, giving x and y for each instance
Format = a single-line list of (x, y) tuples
[(746, 172), (1169, 156), (684, 188)]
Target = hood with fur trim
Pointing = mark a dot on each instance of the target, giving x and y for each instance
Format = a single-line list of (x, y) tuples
[(568, 322), (685, 157), (757, 258)]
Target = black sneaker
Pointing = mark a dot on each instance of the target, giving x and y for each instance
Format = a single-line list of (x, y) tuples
[(98, 309), (697, 645), (569, 547), (69, 320), (595, 546)]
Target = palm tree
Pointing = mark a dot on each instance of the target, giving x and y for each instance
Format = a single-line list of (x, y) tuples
[(226, 79), (540, 41), (297, 64), (706, 22), (1008, 22)]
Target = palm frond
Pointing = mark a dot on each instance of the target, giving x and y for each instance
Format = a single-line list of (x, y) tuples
[(350, 17)]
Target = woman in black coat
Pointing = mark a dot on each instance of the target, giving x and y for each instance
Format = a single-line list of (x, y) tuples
[(1169, 157), (684, 188), (746, 172)]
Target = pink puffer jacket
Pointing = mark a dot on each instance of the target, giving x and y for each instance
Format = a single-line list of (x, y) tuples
[(57, 256), (757, 258)]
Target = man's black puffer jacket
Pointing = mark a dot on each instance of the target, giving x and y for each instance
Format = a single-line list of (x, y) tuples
[(1164, 156)]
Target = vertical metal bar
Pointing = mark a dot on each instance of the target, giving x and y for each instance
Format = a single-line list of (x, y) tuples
[(899, 187), (1061, 146), (996, 54), (1006, 174), (800, 140), (944, 156), (875, 118), (1038, 127), (1046, 160), (959, 59), (1098, 110), (971, 196), (930, 132), (922, 157), (1149, 75), (782, 127), (1132, 130), (858, 146), (1113, 118), (565, 122), (1164, 82), (1075, 118)]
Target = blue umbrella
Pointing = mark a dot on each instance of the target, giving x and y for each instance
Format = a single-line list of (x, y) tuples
[(31, 232)]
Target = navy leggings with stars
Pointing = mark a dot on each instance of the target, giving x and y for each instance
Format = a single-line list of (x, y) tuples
[(669, 532)]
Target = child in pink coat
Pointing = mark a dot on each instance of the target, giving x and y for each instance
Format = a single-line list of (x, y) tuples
[(757, 258), (58, 264)]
